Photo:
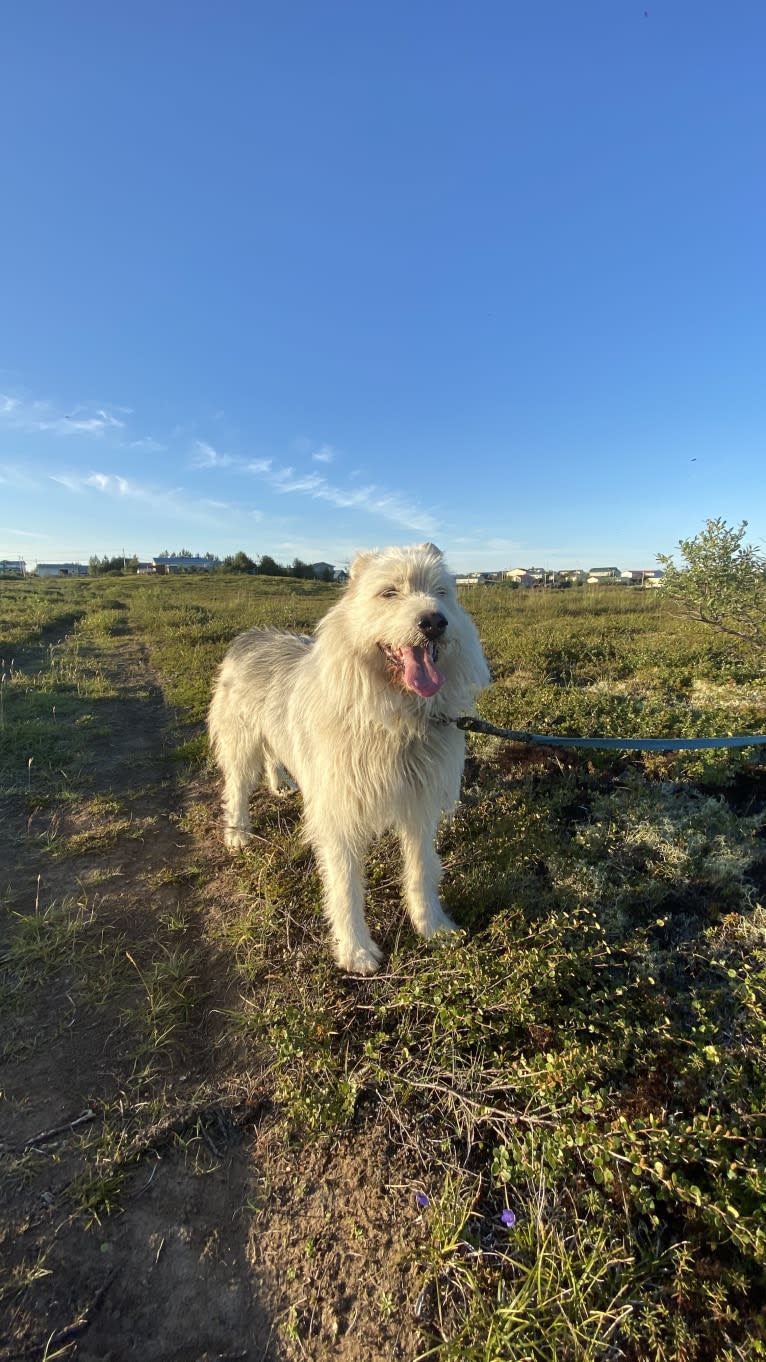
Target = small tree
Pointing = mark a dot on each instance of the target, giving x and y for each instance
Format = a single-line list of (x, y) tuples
[(269, 567), (723, 582), (301, 569), (238, 562)]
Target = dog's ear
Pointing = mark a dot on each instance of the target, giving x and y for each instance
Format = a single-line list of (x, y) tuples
[(359, 563)]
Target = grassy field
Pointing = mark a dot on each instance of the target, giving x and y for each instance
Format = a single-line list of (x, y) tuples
[(543, 1139)]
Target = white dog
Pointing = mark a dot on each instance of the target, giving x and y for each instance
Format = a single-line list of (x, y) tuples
[(356, 716)]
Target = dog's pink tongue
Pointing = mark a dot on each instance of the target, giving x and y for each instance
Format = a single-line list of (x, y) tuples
[(420, 673)]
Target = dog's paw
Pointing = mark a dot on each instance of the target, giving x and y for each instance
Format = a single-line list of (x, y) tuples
[(236, 838), (281, 782), (357, 959), (434, 922)]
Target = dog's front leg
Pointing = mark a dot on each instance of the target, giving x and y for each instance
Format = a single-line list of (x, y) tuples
[(422, 872), (342, 868)]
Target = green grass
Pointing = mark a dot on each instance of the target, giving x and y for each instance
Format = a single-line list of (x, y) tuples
[(190, 623), (589, 1053), (593, 1059), (50, 693), (61, 962)]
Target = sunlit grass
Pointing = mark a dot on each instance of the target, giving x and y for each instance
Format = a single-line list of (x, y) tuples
[(577, 1081)]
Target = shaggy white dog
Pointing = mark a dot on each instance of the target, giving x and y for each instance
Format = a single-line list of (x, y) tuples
[(355, 717)]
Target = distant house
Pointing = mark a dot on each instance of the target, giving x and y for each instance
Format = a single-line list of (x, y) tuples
[(520, 576), (642, 576), (340, 575), (165, 567), (12, 567), (476, 579), (325, 572), (574, 575), (62, 570), (598, 576), (530, 576)]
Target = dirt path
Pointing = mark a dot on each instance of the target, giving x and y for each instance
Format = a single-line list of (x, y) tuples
[(151, 1206)]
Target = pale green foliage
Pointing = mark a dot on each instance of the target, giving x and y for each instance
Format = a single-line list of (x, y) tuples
[(723, 582)]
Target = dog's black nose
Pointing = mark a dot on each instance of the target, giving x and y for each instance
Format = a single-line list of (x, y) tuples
[(432, 625)]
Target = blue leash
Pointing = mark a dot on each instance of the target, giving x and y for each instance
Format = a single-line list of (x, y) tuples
[(611, 744)]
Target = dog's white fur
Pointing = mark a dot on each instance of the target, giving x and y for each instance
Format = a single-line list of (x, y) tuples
[(335, 715)]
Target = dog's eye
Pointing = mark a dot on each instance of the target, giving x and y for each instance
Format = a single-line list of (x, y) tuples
[(389, 592)]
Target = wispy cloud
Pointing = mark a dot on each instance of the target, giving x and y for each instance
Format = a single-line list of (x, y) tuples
[(112, 482), (19, 413), (372, 499), (23, 534), (285, 480), (72, 482), (102, 482), (38, 417), (171, 501), (147, 445), (90, 425), (208, 457)]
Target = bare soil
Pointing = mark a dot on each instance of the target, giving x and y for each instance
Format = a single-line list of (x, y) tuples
[(225, 1240)]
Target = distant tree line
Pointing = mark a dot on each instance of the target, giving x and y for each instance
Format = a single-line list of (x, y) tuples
[(186, 553), (106, 566), (266, 566)]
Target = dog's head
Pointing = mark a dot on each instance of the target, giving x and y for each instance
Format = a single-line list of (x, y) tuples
[(401, 612)]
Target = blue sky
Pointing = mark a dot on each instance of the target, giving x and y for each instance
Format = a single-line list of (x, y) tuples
[(304, 278)]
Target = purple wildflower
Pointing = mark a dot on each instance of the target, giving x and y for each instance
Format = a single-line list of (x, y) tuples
[(422, 1200), (508, 1219)]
